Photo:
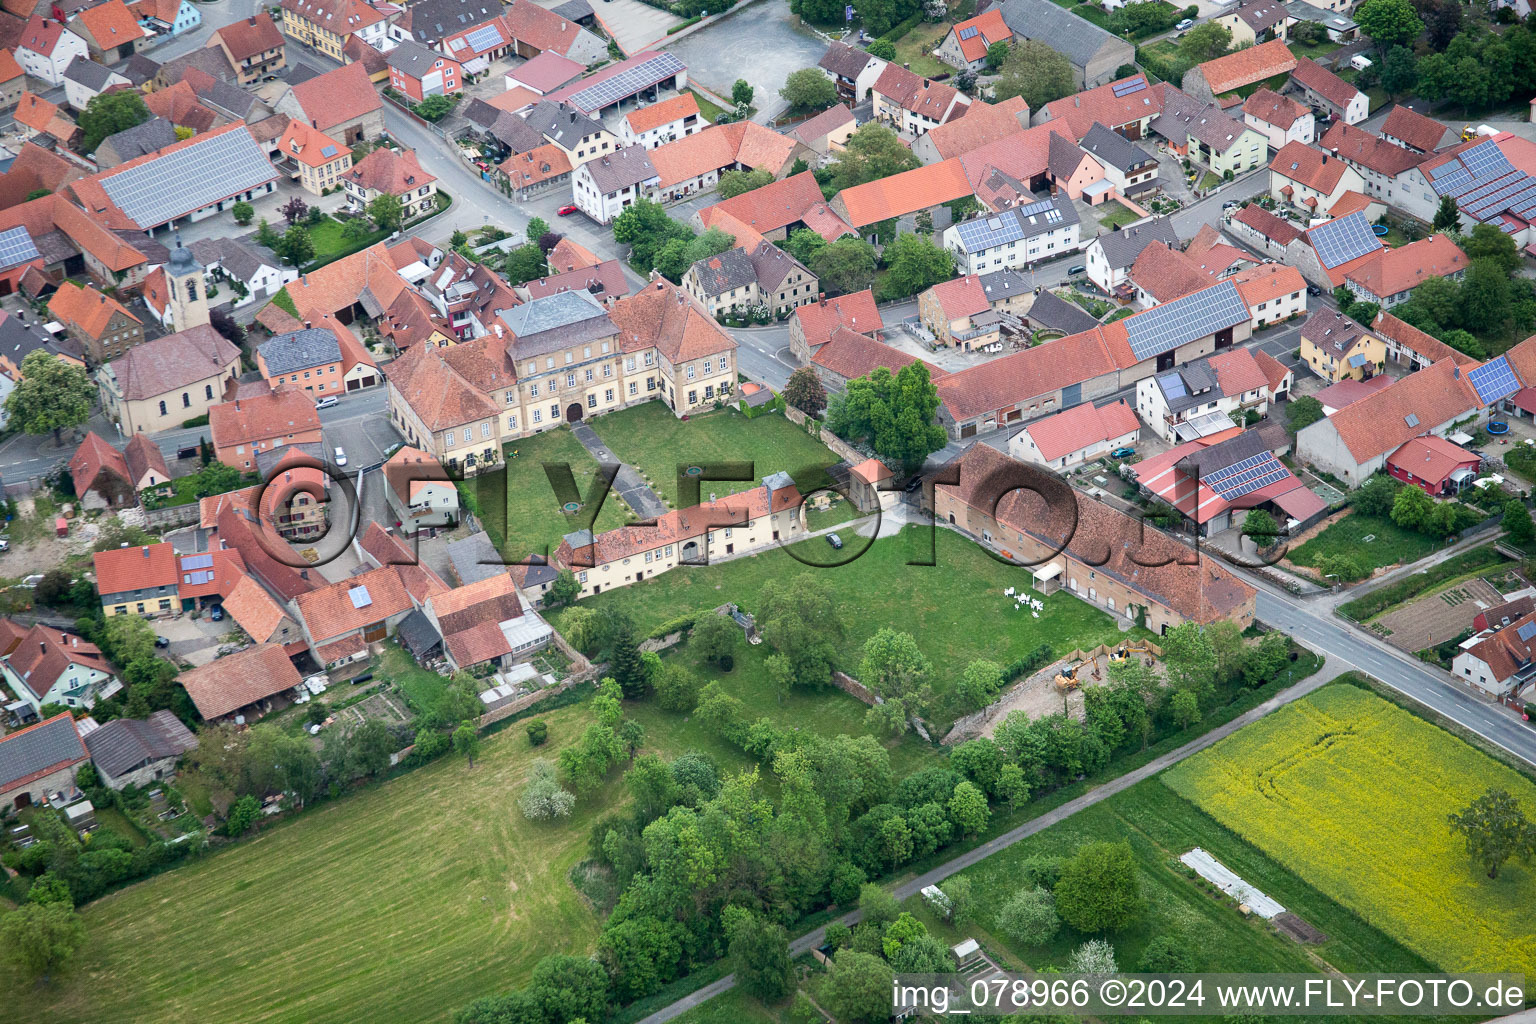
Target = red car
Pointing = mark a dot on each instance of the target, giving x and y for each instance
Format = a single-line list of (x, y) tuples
[(566, 211)]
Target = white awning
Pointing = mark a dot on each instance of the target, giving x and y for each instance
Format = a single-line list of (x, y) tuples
[(1045, 573)]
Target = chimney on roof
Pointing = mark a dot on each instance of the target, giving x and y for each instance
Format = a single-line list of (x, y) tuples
[(146, 551), (42, 645), (307, 325)]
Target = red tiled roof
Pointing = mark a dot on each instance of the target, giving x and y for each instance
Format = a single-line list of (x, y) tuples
[(990, 28), (390, 170), (1267, 224), (254, 609), (719, 147), (10, 70), (1100, 104), (1008, 380), (920, 95), (1310, 167), (355, 602), (1275, 372), (1349, 391), (778, 205), (86, 308), (143, 456), (233, 682), (982, 123), (1272, 108), (1267, 282), (664, 316), (1325, 83), (91, 459), (42, 35), (1165, 273), (1369, 150), (1377, 424), (1145, 560), (1237, 371), (1349, 202), (338, 96), (1398, 270), (310, 146), (907, 192), (44, 653), (605, 281), (110, 24), (657, 114), (571, 255), (123, 569), (1431, 458), (961, 296), (1080, 427), (227, 570), (1432, 349), (250, 37), (818, 319), (851, 355), (435, 391), (1504, 652), (1419, 131), (35, 112), (1245, 67), (542, 28), (813, 129), (264, 417)]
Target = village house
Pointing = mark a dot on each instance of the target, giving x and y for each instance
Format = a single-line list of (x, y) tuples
[(847, 356), (911, 104), (161, 384), (1215, 479), (1392, 173), (247, 426), (138, 751), (43, 123), (342, 619), (1015, 237), (84, 80), (959, 314), (1280, 119), (542, 75), (242, 686), (1128, 167), (341, 103), (391, 172), (773, 211), (417, 72), (43, 665), (1322, 88), (1238, 70), (1354, 442), (903, 195), (1391, 275), (1206, 135), (748, 521), (827, 133), (1076, 435), (39, 761), (1199, 399), (1126, 107), (605, 186), (660, 123), (1337, 348), (312, 157), (98, 322), (321, 361), (605, 282), (419, 494), (853, 71), (13, 79), (106, 478), (694, 163), (1256, 21), (1410, 129), (966, 45), (811, 326), (740, 280), (1109, 257), (254, 47), (327, 25), (137, 580), (1148, 578), (1434, 465), (1095, 54), (981, 124), (46, 49), (110, 31), (1498, 662)]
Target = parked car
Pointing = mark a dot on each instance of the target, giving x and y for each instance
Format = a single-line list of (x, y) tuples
[(568, 209), (834, 540), (913, 484), (5, 545), (327, 402), (161, 641), (1185, 24), (216, 613), (1313, 289), (1079, 269), (1122, 453), (341, 456)]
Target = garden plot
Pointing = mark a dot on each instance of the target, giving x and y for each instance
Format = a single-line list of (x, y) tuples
[(1436, 618), (1222, 877)]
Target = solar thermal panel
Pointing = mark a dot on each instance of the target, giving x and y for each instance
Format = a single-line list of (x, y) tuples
[(1526, 631)]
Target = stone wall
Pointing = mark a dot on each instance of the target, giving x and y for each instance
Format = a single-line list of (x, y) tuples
[(843, 449), (171, 517), (851, 686)]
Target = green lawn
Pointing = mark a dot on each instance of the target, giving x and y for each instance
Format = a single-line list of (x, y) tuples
[(399, 903), (955, 609), (1161, 827), (1116, 216), (1390, 544), (735, 1007), (916, 48), (708, 110), (657, 444), (422, 687), (1211, 180), (331, 244), (530, 519)]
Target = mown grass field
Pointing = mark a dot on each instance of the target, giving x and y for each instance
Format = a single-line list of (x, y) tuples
[(1160, 826), (400, 903), (955, 608), (1351, 793), (656, 442), (1390, 543), (530, 519)]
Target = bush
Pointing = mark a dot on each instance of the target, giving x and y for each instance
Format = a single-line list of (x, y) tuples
[(1030, 917), (727, 662), (538, 732), (1166, 954)]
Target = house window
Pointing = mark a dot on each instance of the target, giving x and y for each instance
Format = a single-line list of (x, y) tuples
[(186, 400), (485, 430), (208, 391), (162, 408)]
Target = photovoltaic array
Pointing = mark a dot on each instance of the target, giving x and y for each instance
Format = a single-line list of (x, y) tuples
[(1129, 86), (1347, 238), (968, 32), (211, 168), (1494, 380), (1247, 476), (486, 37), (627, 82), (1170, 325), (1486, 186), (16, 247)]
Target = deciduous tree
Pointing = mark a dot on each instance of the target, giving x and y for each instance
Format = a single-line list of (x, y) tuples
[(110, 113), (872, 152), (386, 211), (1030, 916), (1389, 22), (51, 396), (1034, 71), (808, 90), (1205, 42), (846, 265), (41, 938), (1495, 829), (805, 391), (1100, 889), (734, 183)]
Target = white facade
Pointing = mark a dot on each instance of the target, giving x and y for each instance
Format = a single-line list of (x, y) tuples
[(604, 206), (1022, 446), (77, 95), (661, 134), (1152, 407), (1409, 191), (1349, 181), (1272, 311), (1303, 130), (1011, 255), (1475, 672), (49, 67), (78, 686), (1099, 271)]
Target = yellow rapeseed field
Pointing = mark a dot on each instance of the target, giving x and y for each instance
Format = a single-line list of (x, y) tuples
[(1351, 793)]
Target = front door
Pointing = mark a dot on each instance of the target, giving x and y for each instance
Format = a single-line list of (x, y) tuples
[(375, 632), (573, 412)]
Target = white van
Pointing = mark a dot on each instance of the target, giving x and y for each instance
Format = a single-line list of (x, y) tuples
[(1360, 62)]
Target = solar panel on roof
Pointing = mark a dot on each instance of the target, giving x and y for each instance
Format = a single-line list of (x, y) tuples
[(628, 82), (1163, 328), (360, 597), (1342, 240), (1247, 476), (1123, 89), (16, 247), (197, 562), (1526, 631), (1172, 385), (1494, 380), (202, 173), (968, 32), (486, 37), (1412, 419)]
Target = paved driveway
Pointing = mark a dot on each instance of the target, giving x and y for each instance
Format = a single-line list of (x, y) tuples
[(759, 42)]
